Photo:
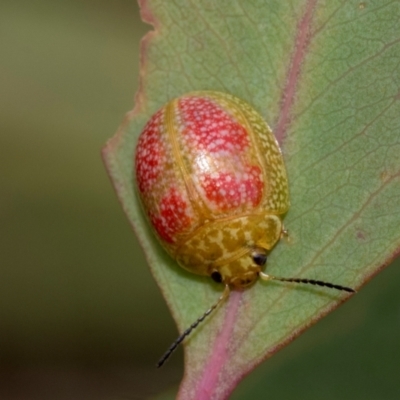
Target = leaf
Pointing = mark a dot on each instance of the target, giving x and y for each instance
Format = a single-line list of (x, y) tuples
[(325, 75)]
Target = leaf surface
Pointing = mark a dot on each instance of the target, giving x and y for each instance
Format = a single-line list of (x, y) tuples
[(325, 76)]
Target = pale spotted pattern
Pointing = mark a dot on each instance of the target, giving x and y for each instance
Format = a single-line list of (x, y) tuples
[(276, 195), (150, 154), (217, 154), (161, 188)]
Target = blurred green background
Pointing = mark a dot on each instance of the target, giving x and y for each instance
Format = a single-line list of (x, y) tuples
[(80, 315)]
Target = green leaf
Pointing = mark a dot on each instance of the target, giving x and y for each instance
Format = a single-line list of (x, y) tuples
[(325, 75)]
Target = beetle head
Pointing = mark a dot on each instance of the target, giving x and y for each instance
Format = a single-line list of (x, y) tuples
[(243, 271)]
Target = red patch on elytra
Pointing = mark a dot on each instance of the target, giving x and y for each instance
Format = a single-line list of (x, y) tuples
[(209, 127), (173, 217), (229, 190), (150, 155)]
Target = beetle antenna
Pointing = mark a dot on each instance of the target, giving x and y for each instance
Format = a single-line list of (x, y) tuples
[(267, 277), (188, 331)]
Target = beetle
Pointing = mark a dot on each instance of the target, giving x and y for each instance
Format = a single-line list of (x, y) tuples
[(213, 184)]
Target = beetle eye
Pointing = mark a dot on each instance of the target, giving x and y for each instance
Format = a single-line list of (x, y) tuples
[(260, 259), (216, 277)]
